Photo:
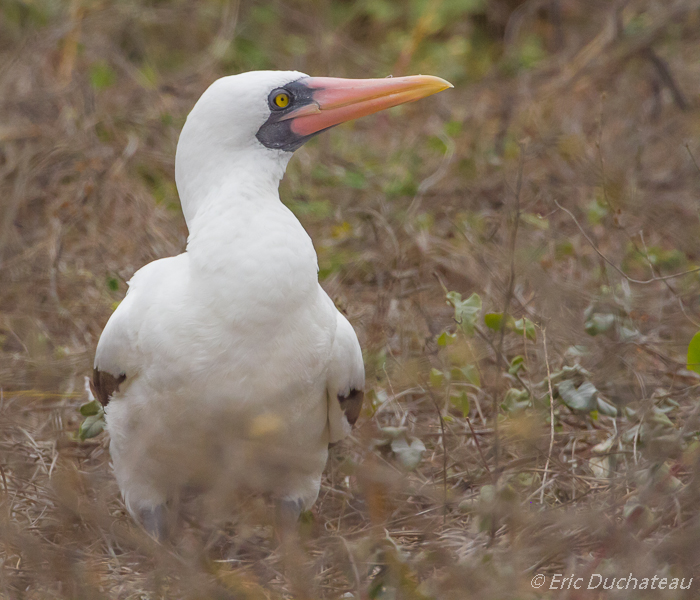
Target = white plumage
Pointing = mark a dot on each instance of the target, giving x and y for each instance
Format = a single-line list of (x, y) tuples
[(227, 365)]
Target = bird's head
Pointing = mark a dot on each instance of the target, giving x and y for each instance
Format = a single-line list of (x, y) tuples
[(248, 125)]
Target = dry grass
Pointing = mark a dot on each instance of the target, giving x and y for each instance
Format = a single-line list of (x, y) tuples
[(600, 128)]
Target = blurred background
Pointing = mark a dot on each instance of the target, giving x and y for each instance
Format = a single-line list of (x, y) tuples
[(518, 255)]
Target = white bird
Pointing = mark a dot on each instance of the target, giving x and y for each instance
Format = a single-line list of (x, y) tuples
[(229, 365)]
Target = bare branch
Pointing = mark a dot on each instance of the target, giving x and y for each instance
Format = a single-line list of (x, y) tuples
[(613, 265)]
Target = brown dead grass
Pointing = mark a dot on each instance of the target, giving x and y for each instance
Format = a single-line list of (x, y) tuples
[(88, 197)]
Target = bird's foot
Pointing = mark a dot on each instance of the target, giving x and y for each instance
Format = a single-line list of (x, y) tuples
[(155, 521), (288, 511)]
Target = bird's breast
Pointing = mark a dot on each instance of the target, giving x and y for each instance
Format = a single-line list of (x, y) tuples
[(253, 265), (259, 324)]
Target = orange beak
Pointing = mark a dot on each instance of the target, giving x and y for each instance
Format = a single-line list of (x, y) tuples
[(335, 101)]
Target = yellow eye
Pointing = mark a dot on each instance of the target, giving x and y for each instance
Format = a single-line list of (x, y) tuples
[(281, 100)]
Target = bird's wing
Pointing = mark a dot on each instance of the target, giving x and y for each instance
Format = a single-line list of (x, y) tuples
[(112, 357), (118, 357), (346, 380)]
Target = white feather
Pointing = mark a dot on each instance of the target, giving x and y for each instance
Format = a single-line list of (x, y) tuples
[(233, 353), (346, 373)]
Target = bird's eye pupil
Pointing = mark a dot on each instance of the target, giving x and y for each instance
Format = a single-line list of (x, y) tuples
[(282, 100)]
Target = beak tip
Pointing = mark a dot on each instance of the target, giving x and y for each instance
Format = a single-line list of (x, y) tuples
[(438, 84)]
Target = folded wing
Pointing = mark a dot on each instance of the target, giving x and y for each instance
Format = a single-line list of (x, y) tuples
[(119, 358), (346, 381)]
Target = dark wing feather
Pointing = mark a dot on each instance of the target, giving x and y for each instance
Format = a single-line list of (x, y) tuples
[(352, 405), (104, 384)]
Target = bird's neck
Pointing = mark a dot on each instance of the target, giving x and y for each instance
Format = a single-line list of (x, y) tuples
[(212, 181), (248, 249)]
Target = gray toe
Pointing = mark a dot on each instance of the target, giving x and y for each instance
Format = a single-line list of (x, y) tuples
[(155, 522)]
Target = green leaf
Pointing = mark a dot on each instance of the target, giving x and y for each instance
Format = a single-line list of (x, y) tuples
[(521, 326), (445, 338), (527, 327), (583, 398), (694, 353), (515, 400), (409, 454), (607, 409), (487, 494), (577, 351), (92, 426), (466, 311), (597, 211), (567, 372), (461, 402), (436, 377), (535, 220), (599, 323), (628, 333), (659, 417), (90, 408), (563, 250), (471, 374), (101, 76), (493, 320), (516, 365)]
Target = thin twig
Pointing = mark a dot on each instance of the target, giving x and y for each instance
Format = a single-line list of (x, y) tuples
[(513, 239), (695, 162), (506, 303), (613, 265), (663, 279), (431, 180), (4, 480), (551, 415), (502, 360), (478, 446), (355, 572), (444, 452), (667, 78)]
